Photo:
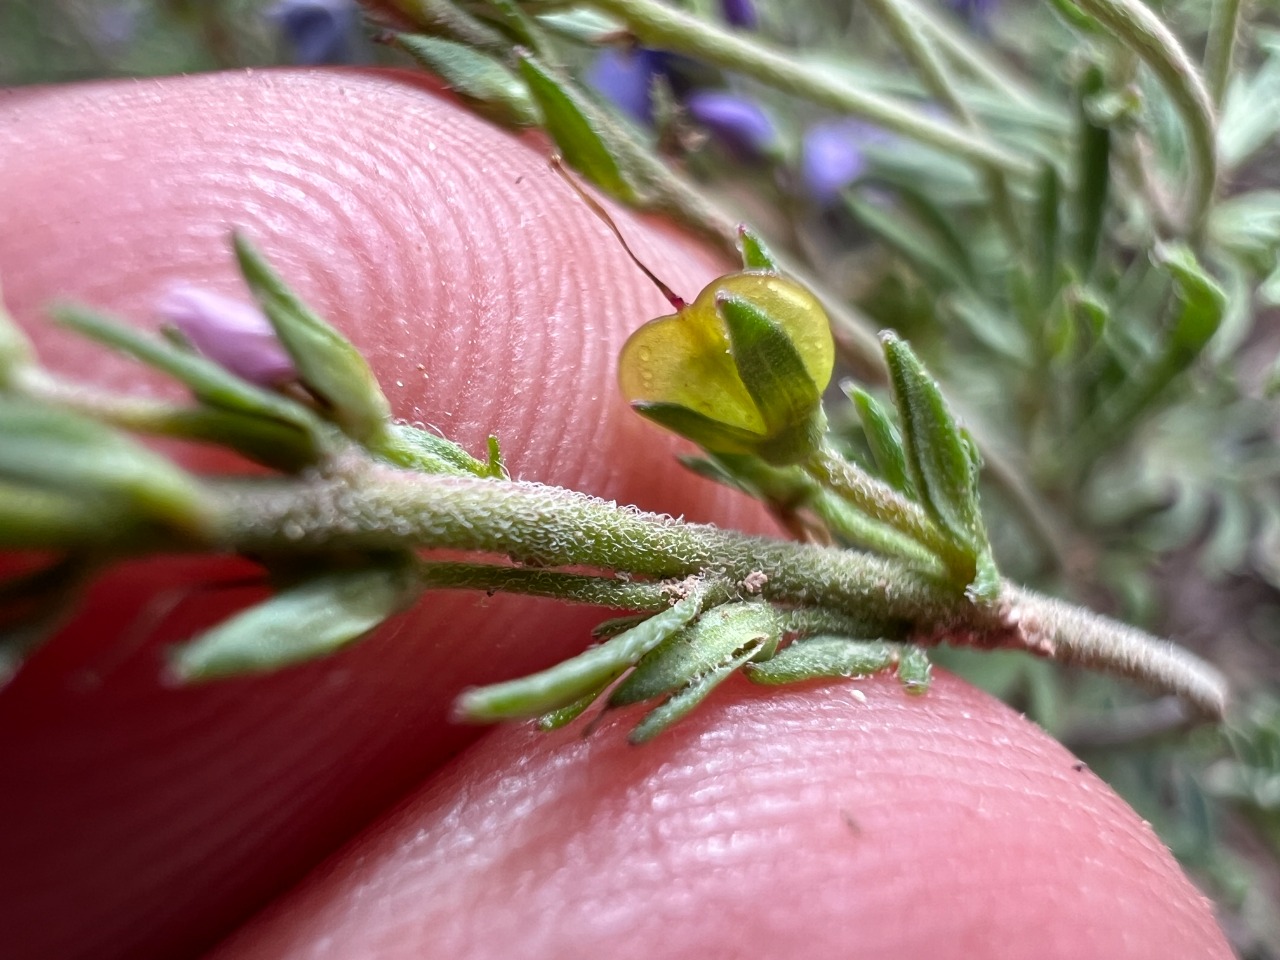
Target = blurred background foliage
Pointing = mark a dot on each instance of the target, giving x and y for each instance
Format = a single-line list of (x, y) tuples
[(1105, 323)]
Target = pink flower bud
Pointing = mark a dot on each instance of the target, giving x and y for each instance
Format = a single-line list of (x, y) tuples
[(233, 334)]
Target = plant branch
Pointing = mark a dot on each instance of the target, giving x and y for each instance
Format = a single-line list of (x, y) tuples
[(360, 505), (674, 30)]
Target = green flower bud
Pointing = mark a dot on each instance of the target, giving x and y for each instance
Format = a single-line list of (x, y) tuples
[(741, 369)]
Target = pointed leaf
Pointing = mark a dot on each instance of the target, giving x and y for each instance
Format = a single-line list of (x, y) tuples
[(476, 77), (327, 362), (681, 703), (66, 453), (15, 349), (755, 255), (883, 439), (569, 681), (1202, 304), (313, 619), (1093, 174), (569, 121), (822, 657), (711, 640), (938, 456)]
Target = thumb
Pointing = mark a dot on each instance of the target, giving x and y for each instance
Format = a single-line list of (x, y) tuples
[(488, 299)]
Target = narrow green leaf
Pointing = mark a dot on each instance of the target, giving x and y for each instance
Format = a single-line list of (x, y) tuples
[(703, 646), (1048, 233), (573, 679), (755, 255), (61, 451), (34, 605), (938, 456), (477, 77), (208, 381), (39, 518), (883, 439), (569, 121), (824, 657), (327, 362), (1202, 304), (1093, 174), (428, 452), (682, 702), (313, 619)]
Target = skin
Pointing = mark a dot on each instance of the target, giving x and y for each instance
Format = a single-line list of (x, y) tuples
[(157, 821)]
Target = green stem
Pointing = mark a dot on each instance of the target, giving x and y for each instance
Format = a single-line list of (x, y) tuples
[(1219, 49), (366, 506), (1145, 34), (674, 30)]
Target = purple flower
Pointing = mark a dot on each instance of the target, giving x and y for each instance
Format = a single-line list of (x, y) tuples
[(737, 122), (318, 31), (233, 334), (831, 156), (626, 78), (740, 13)]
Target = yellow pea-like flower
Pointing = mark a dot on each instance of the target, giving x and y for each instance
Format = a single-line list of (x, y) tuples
[(741, 369)]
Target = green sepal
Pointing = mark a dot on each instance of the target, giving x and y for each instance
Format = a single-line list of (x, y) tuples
[(64, 453), (883, 438), (824, 657), (703, 430), (483, 81), (327, 363), (572, 126), (265, 426), (775, 376), (311, 619), (940, 459), (573, 679), (683, 701), (755, 255), (711, 640)]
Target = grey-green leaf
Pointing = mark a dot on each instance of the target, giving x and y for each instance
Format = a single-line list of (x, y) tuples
[(571, 123), (477, 77), (883, 438), (711, 640), (315, 618), (578, 677), (939, 457), (682, 702), (327, 362), (63, 452), (824, 657)]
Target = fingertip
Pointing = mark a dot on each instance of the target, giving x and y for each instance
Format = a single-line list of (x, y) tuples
[(804, 822)]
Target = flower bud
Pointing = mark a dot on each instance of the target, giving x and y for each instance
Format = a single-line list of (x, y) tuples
[(740, 13), (741, 369), (234, 335), (831, 157)]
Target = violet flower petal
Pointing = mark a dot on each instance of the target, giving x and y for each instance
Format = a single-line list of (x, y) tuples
[(234, 335), (317, 31), (737, 122)]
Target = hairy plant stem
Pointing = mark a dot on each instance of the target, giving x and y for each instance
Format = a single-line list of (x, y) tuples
[(674, 30), (1144, 33), (358, 505)]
